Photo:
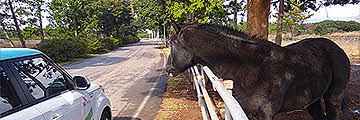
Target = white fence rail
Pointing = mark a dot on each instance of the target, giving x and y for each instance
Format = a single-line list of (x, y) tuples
[(233, 109)]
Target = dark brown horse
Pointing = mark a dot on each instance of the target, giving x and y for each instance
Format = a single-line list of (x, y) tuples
[(268, 78)]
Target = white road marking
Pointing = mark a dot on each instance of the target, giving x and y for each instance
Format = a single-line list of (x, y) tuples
[(143, 103), (147, 97)]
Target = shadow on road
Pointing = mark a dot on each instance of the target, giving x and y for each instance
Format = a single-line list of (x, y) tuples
[(96, 61), (142, 43), (160, 88)]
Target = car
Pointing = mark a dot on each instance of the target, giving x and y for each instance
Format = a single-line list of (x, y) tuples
[(34, 87)]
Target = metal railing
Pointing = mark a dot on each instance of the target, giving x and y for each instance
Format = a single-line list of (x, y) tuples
[(233, 109)]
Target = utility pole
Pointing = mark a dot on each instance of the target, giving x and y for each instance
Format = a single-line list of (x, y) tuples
[(164, 35)]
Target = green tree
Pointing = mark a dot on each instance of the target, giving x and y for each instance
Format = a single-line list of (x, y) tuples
[(37, 8), (70, 17), (293, 19), (114, 18), (16, 10), (188, 10), (4, 31), (149, 14)]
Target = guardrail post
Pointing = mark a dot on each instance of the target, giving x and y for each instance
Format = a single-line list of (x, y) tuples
[(209, 104), (200, 96), (233, 109), (229, 85)]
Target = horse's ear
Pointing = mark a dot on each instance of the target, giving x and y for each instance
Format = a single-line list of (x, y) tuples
[(176, 27)]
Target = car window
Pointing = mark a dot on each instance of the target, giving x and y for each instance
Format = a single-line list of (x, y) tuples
[(41, 77), (8, 97)]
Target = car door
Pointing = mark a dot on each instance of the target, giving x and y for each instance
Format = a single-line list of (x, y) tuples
[(50, 88), (13, 104)]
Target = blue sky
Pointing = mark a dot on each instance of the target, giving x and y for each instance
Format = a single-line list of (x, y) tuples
[(333, 12), (336, 12)]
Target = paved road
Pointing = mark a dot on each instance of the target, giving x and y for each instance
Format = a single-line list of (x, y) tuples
[(132, 76)]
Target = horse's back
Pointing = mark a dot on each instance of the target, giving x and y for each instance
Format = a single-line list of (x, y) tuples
[(317, 64)]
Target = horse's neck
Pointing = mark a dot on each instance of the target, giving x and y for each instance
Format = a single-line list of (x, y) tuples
[(232, 50), (235, 56)]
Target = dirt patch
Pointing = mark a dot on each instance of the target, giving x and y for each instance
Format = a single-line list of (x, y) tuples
[(355, 60), (179, 101)]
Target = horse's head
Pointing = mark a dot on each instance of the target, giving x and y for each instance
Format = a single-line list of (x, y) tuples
[(180, 58)]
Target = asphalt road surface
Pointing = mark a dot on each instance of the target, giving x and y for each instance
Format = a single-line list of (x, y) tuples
[(132, 77)]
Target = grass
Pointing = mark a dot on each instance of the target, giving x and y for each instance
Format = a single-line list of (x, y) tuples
[(171, 84), (354, 56)]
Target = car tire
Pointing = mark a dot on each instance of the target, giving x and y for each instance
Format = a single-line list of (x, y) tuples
[(105, 115)]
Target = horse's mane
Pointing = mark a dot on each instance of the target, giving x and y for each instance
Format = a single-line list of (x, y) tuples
[(226, 31)]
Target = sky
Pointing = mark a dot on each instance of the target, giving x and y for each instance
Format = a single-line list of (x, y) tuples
[(333, 12), (336, 12)]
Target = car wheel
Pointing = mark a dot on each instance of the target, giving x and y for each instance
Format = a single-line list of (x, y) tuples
[(105, 115)]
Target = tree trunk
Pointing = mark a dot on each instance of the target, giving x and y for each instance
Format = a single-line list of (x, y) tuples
[(16, 24), (258, 18), (7, 36), (278, 38), (235, 14), (41, 23)]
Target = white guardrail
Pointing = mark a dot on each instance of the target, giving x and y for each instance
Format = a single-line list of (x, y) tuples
[(233, 110)]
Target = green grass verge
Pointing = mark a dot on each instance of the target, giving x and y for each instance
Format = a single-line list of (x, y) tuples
[(354, 56), (78, 59)]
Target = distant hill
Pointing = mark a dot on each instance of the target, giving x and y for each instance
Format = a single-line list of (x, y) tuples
[(315, 20)]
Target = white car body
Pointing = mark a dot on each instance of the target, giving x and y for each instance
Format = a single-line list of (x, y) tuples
[(72, 104)]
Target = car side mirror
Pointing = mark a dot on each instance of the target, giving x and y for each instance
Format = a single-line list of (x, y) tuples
[(81, 82)]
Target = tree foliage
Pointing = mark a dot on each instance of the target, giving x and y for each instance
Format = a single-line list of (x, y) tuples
[(294, 18)]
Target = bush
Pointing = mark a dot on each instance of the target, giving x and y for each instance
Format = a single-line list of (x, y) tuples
[(64, 49), (104, 44), (142, 34), (130, 39), (96, 46), (330, 26), (110, 43)]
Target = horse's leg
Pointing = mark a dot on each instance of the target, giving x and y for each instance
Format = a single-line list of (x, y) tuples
[(333, 101), (316, 111)]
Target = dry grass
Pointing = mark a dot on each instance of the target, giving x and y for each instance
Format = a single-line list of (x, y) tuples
[(29, 43), (345, 34), (348, 41)]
